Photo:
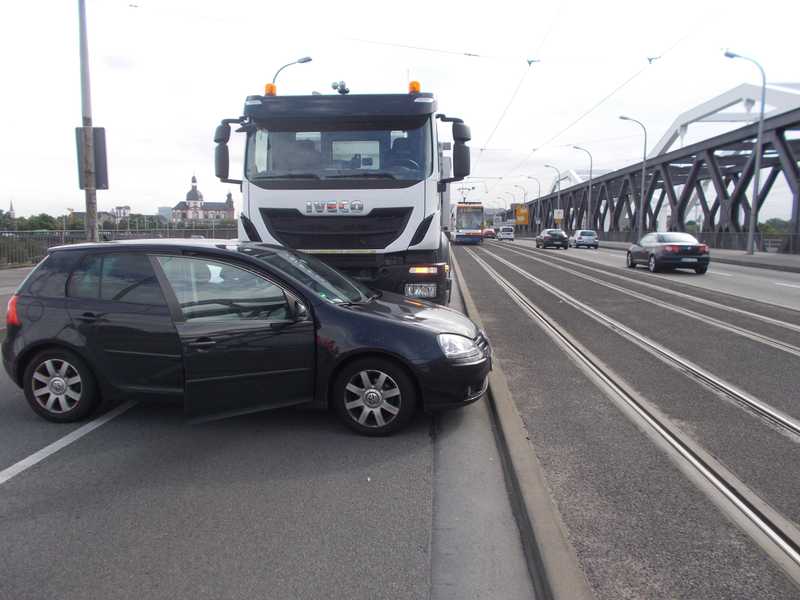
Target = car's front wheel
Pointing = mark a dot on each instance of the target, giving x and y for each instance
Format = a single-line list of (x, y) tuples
[(374, 396), (59, 386), (629, 261)]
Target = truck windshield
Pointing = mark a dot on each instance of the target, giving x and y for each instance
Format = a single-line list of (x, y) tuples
[(397, 148)]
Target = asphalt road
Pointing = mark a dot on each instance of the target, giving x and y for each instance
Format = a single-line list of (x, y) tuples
[(285, 504), (641, 528)]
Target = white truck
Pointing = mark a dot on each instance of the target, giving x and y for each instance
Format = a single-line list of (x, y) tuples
[(359, 180)]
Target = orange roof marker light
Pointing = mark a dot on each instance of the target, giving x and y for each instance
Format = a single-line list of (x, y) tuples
[(270, 89), (414, 87)]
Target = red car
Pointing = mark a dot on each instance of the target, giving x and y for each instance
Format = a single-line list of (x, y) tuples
[(489, 233)]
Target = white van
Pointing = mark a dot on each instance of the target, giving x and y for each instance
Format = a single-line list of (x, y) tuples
[(506, 232)]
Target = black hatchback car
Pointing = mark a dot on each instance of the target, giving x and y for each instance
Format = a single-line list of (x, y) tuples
[(669, 250), (556, 238), (230, 328)]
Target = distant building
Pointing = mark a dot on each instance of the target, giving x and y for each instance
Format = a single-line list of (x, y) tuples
[(165, 213), (11, 213), (194, 208)]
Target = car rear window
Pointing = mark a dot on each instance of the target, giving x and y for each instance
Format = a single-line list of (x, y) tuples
[(507, 229), (677, 238), (118, 277), (588, 233), (49, 278)]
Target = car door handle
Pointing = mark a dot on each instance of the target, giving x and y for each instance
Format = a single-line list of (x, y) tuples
[(202, 343), (89, 317)]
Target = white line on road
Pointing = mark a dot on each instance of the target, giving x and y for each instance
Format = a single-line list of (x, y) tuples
[(791, 285), (63, 442), (720, 273)]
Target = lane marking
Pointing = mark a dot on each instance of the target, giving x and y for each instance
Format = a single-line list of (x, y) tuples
[(720, 273), (61, 443), (791, 285)]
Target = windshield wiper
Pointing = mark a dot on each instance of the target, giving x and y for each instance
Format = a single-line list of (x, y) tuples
[(289, 176), (365, 175)]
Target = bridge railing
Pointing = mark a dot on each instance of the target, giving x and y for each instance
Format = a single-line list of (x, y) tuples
[(23, 248)]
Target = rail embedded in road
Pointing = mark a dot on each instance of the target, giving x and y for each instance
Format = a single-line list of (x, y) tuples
[(775, 534)]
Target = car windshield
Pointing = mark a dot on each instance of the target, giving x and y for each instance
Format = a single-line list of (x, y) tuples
[(398, 148), (327, 283), (677, 238), (587, 233)]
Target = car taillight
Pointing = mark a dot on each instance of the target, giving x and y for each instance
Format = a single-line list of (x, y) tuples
[(703, 248), (12, 318), (671, 248)]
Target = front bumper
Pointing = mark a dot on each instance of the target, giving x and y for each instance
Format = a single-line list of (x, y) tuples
[(391, 277), (449, 385)]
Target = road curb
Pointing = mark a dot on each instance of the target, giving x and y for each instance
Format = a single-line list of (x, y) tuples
[(551, 559)]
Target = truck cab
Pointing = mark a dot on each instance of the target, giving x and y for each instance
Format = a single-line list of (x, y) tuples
[(357, 180)]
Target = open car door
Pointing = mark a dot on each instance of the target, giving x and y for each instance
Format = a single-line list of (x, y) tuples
[(244, 347)]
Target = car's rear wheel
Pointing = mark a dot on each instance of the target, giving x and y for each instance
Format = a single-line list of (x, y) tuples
[(700, 270), (59, 386), (629, 261), (652, 264), (374, 396)]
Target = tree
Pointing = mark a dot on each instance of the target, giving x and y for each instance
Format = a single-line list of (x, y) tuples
[(42, 221)]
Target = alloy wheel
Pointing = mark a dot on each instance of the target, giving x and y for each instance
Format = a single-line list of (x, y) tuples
[(651, 265), (372, 398), (57, 386)]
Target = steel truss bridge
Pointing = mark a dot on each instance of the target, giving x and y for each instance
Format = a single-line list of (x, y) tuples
[(716, 173)]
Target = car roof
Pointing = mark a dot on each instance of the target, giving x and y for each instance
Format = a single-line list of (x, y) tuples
[(160, 243)]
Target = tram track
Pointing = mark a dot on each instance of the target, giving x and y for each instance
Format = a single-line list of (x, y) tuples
[(676, 293), (777, 535), (703, 318)]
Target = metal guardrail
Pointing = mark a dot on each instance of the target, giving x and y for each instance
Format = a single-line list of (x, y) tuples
[(22, 248)]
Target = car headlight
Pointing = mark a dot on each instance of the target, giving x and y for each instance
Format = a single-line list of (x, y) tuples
[(458, 347)]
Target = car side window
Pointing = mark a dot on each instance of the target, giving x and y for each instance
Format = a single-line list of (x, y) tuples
[(85, 280), (209, 290), (122, 277), (648, 239)]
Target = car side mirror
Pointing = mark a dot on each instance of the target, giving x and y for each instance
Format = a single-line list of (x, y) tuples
[(299, 310)]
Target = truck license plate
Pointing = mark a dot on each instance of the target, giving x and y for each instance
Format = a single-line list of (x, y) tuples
[(421, 290)]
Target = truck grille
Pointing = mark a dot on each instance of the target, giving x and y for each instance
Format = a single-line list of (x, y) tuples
[(373, 231)]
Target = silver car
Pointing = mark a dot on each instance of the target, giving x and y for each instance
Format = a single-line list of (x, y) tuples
[(584, 237)]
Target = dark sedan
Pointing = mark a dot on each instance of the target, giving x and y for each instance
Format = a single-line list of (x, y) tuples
[(669, 251), (555, 238), (229, 328)]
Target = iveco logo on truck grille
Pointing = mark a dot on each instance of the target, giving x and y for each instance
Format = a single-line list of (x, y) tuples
[(318, 206)]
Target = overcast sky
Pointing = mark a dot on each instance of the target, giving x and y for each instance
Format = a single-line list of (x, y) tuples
[(165, 72)]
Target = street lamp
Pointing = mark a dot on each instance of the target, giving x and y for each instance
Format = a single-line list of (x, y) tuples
[(299, 61), (589, 197), (751, 230), (641, 223)]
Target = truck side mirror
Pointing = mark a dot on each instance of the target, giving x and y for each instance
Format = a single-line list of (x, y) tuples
[(222, 134), (221, 162), (221, 158), (461, 133), (461, 161)]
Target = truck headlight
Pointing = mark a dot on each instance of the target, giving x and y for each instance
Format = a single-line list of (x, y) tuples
[(458, 347)]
